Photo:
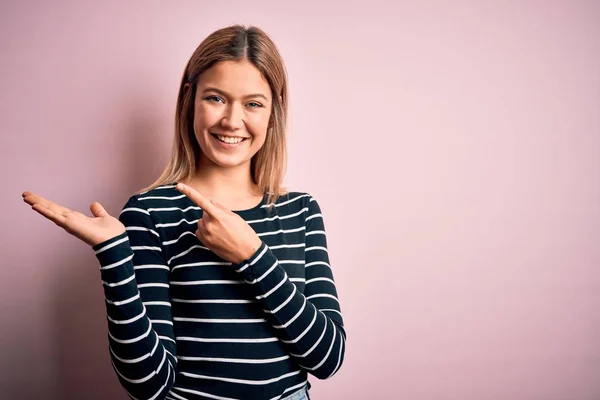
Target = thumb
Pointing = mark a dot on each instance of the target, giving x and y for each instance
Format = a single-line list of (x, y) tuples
[(97, 209)]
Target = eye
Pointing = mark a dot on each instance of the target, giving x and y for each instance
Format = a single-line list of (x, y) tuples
[(214, 99), (254, 104)]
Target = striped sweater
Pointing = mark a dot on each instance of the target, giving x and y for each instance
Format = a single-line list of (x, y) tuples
[(185, 324)]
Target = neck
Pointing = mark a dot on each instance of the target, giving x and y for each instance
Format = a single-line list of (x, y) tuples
[(224, 183)]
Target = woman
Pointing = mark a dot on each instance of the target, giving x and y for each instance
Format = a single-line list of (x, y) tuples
[(217, 282)]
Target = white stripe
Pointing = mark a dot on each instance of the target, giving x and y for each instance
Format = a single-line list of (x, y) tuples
[(282, 231), (305, 331), (150, 266), (175, 395), (113, 244), (166, 338), (123, 282), (145, 285), (157, 303), (283, 203), (141, 380), (260, 278), (142, 229), (236, 360), (202, 264), (136, 209), (258, 257), (135, 339), (311, 264), (331, 310), (314, 296), (264, 296), (337, 366), (315, 233), (284, 303), (320, 279), (135, 360), (126, 301), (159, 187), (155, 248), (293, 318), (243, 381), (161, 197), (176, 223), (207, 282), (174, 209), (316, 248), (214, 301), (328, 352), (291, 261), (196, 246), (288, 246), (168, 242), (317, 215), (316, 343), (161, 321), (127, 321), (256, 221), (222, 320), (226, 340), (297, 279)]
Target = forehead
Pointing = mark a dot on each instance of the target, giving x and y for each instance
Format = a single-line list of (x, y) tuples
[(235, 77)]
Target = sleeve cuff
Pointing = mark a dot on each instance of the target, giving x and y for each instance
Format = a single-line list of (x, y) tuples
[(261, 259), (113, 249)]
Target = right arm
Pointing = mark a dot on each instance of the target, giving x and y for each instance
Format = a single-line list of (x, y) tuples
[(135, 278)]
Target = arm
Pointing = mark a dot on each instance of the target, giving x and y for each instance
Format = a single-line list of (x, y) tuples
[(310, 323), (135, 279)]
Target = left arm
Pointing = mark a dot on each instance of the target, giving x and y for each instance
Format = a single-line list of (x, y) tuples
[(309, 323)]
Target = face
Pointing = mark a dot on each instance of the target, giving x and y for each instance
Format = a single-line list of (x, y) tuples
[(231, 113)]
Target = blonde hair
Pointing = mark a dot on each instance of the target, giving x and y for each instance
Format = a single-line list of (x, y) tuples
[(233, 43)]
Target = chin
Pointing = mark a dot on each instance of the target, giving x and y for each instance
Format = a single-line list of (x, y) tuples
[(226, 161)]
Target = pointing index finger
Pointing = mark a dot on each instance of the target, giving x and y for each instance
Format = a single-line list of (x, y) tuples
[(197, 198)]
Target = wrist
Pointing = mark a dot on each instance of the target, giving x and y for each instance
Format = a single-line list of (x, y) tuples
[(250, 250)]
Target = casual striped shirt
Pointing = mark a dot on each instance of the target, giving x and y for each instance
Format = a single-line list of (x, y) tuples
[(185, 324)]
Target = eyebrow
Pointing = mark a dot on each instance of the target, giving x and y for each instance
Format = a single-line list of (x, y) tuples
[(214, 89)]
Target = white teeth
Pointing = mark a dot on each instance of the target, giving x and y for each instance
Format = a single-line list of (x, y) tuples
[(230, 140)]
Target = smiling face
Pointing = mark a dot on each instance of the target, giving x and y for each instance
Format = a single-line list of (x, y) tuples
[(231, 113)]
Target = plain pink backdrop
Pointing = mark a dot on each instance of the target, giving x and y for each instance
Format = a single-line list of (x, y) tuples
[(454, 148)]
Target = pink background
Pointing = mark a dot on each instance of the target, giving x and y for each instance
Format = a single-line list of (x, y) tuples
[(453, 146)]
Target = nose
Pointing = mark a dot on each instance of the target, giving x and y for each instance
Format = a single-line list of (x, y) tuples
[(234, 117)]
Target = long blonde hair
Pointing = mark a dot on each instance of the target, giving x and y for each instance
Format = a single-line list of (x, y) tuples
[(233, 43)]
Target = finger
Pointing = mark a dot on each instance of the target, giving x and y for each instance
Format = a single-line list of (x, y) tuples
[(58, 219), (97, 210), (220, 206), (197, 198), (32, 198)]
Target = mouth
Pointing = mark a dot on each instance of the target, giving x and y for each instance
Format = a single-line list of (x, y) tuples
[(232, 140)]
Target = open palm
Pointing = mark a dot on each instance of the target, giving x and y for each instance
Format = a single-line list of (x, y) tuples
[(92, 230)]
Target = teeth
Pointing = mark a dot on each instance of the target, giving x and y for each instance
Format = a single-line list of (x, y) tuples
[(230, 140)]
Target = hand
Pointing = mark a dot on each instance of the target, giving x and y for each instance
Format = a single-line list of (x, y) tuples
[(224, 232), (92, 231)]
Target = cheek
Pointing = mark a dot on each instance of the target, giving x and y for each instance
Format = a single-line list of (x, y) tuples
[(258, 124), (204, 118)]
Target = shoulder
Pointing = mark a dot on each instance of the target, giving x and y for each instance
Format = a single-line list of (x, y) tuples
[(298, 201), (144, 202), (160, 195)]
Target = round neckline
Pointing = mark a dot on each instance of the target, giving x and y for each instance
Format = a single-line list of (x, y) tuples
[(242, 213)]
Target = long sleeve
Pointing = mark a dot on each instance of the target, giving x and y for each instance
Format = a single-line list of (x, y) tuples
[(309, 323), (135, 279)]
